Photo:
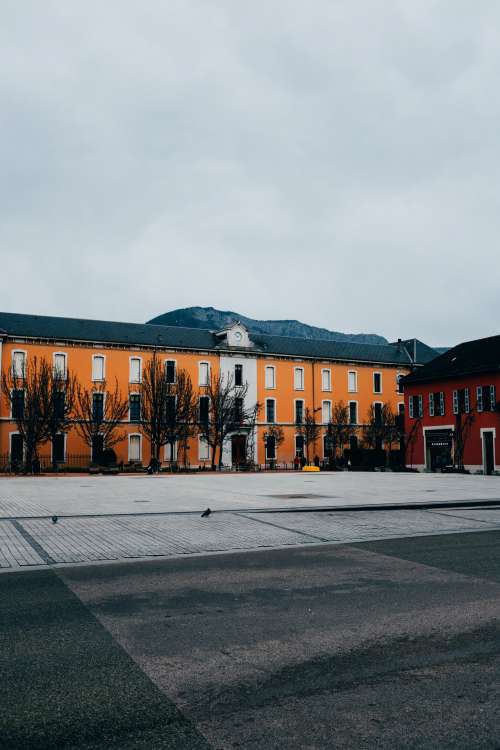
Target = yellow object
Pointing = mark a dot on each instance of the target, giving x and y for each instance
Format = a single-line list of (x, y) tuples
[(310, 468)]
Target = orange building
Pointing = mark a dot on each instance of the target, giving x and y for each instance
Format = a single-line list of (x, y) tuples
[(285, 375)]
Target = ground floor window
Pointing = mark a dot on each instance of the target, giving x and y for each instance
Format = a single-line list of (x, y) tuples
[(171, 452), (203, 450), (299, 446), (134, 448)]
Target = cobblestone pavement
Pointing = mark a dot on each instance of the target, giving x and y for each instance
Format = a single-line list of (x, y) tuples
[(25, 543), (91, 495)]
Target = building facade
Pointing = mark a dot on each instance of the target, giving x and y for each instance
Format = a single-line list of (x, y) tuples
[(451, 409), (284, 375)]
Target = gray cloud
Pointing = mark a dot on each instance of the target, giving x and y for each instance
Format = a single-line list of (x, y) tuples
[(334, 162)]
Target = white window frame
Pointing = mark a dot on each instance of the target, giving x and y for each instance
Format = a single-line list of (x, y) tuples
[(271, 369), (479, 398), (65, 371), (295, 402), (103, 357), (130, 360), (493, 397), (296, 370), (355, 373), (207, 364), (410, 407), (399, 384), (323, 404), (135, 435), (275, 416), (377, 372), (175, 368), (467, 399), (166, 451), (25, 360), (349, 412), (298, 435), (441, 403), (431, 404), (326, 371), (420, 405), (455, 401), (202, 442)]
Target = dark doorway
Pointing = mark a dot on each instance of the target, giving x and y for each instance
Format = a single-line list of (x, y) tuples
[(438, 449), (238, 449), (489, 456), (58, 448), (16, 449), (97, 448)]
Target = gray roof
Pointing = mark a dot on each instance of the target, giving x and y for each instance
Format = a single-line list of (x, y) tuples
[(174, 337)]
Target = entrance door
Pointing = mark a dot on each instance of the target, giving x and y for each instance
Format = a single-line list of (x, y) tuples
[(238, 449), (438, 447), (489, 456), (16, 449)]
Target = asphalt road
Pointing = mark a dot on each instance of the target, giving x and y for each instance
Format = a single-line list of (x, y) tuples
[(390, 644)]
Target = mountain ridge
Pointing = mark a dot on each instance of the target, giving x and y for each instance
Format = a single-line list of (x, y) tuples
[(214, 319)]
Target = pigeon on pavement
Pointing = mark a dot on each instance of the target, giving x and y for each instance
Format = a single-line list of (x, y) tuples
[(206, 513), (54, 519)]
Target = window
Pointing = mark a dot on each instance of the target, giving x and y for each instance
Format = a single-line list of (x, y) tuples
[(461, 401), (299, 411), (352, 381), (135, 407), (59, 401), (326, 380), (60, 365), (203, 450), (98, 367), (298, 382), (171, 451), (170, 370), (135, 370), (326, 411), (97, 407), (58, 452), (203, 407), (399, 384), (18, 364), (170, 409), (17, 403), (416, 407), (353, 412), (270, 410), (203, 373), (377, 382), (485, 398), (436, 403), (377, 413), (134, 447), (271, 448), (238, 374), (238, 410), (299, 445), (270, 377)]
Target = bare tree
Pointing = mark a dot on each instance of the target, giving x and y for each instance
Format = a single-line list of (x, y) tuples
[(63, 390), (381, 426), (309, 429), (339, 429), (98, 415), (251, 426), (463, 424), (29, 396), (227, 413), (181, 412)]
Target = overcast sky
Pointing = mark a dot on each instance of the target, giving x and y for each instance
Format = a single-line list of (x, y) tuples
[(331, 161)]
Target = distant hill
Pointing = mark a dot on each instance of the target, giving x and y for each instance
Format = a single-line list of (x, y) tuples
[(209, 317)]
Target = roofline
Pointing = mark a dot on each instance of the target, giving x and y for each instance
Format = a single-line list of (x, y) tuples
[(414, 378), (239, 350)]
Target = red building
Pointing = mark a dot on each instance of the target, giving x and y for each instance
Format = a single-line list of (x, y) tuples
[(451, 410)]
